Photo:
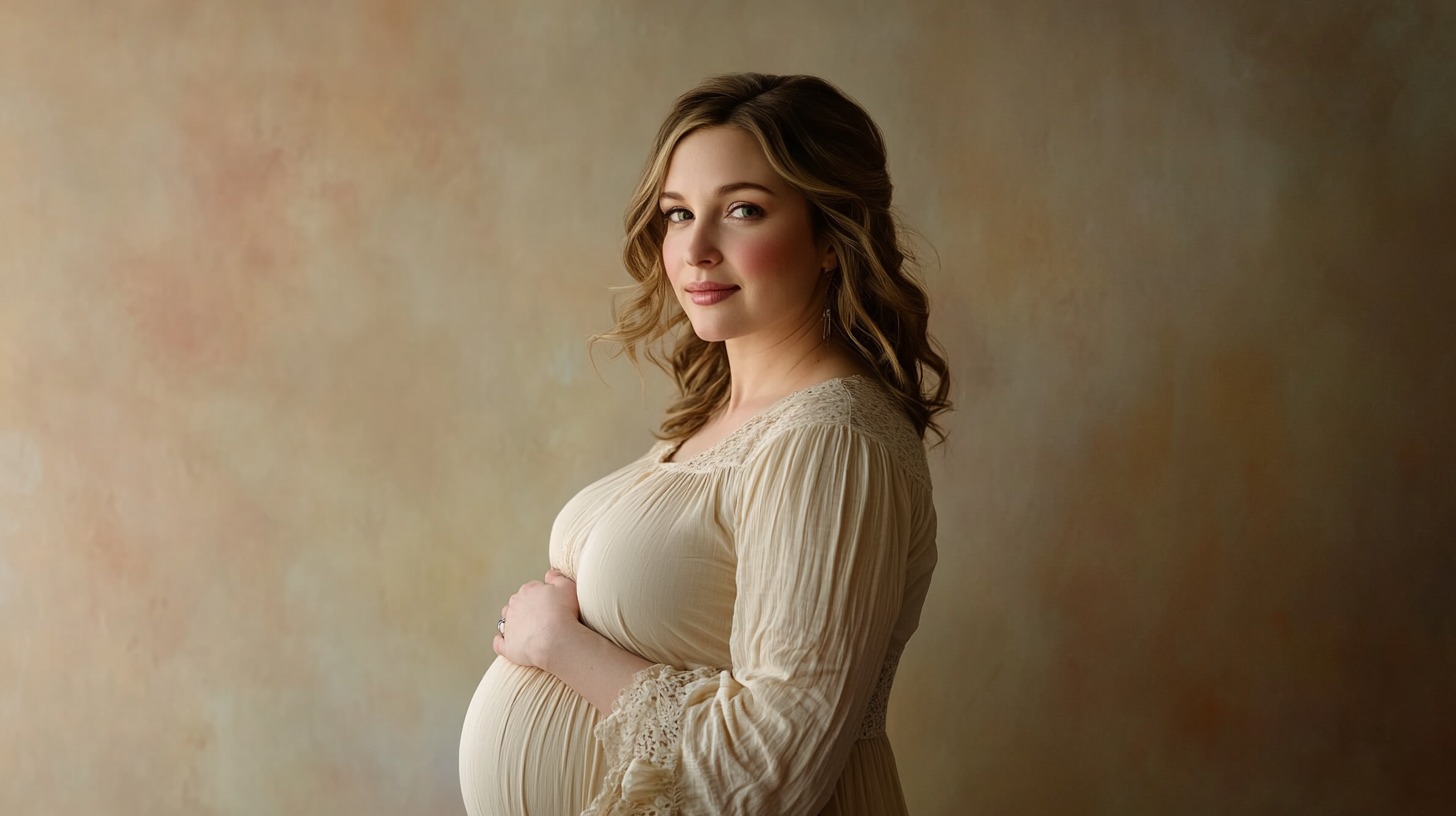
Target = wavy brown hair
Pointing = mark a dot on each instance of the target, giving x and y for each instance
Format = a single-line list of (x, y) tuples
[(825, 146)]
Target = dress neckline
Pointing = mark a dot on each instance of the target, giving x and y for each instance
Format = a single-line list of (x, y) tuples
[(669, 448)]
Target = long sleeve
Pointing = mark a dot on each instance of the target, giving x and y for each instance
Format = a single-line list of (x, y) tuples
[(823, 523)]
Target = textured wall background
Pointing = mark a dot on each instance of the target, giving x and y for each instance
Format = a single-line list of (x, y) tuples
[(293, 302)]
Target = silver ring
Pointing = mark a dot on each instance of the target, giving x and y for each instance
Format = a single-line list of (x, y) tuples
[(500, 626)]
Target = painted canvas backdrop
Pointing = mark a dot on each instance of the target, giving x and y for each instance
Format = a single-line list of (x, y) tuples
[(294, 301)]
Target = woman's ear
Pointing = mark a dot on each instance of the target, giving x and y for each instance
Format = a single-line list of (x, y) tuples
[(830, 261)]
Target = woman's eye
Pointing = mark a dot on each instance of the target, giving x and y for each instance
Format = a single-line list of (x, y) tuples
[(745, 211), (677, 215)]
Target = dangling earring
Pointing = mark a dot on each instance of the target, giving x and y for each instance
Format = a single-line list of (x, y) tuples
[(828, 319)]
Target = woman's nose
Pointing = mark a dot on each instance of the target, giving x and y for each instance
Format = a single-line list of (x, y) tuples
[(702, 247)]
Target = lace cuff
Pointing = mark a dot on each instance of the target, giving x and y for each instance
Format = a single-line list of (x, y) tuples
[(641, 738)]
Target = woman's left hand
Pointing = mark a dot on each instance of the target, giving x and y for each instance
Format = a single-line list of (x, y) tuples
[(535, 616)]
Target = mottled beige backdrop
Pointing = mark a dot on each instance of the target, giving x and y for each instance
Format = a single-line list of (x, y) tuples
[(294, 300)]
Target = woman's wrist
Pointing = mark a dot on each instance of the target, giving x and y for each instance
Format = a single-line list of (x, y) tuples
[(590, 664), (561, 642)]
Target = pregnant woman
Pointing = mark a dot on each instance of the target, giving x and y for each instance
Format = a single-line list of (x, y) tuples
[(720, 628)]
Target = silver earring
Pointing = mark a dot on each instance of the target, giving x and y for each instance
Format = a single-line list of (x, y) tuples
[(828, 319)]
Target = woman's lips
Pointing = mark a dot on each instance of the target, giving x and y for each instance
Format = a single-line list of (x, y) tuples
[(708, 295)]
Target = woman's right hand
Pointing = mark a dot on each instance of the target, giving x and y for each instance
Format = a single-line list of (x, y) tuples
[(536, 618)]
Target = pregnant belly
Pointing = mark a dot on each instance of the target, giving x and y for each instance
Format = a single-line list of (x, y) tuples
[(527, 746)]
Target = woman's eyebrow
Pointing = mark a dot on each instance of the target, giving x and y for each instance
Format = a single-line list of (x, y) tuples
[(725, 190)]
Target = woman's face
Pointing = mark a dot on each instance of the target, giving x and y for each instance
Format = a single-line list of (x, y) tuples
[(739, 249)]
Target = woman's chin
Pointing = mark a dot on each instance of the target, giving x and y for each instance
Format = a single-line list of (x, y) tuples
[(709, 333)]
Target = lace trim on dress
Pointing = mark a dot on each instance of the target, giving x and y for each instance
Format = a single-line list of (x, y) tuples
[(873, 724), (856, 402), (641, 739)]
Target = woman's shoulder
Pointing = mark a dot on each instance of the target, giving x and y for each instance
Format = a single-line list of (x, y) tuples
[(857, 401), (859, 405), (856, 405)]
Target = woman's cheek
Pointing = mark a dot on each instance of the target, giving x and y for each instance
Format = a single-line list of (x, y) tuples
[(765, 256)]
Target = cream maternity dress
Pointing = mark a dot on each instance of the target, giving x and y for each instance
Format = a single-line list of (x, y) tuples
[(775, 579)]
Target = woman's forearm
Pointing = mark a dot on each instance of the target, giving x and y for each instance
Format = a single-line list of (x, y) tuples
[(591, 665)]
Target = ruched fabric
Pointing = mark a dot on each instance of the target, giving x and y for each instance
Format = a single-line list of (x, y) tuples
[(774, 580)]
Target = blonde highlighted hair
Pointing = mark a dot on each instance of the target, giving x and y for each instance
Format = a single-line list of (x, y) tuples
[(824, 145)]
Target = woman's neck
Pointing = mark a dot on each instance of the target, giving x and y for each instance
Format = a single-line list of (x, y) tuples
[(762, 375)]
